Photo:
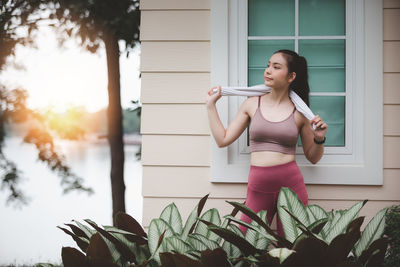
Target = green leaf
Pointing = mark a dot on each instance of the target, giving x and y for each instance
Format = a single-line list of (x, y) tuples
[(199, 242), (171, 215), (236, 230), (156, 228), (231, 250), (213, 217), (192, 219), (281, 253), (259, 237), (89, 232), (287, 198), (372, 232), (140, 240), (252, 215), (245, 247), (315, 213), (176, 244), (340, 226)]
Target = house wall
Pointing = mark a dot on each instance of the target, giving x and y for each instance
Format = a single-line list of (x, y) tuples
[(175, 66)]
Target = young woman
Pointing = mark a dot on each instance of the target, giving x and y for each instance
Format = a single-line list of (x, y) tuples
[(274, 128)]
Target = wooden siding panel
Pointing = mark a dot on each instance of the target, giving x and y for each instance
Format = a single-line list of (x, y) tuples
[(391, 3), (154, 206), (175, 25), (391, 152), (194, 182), (189, 88), (391, 121), (391, 88), (391, 22), (175, 56), (391, 56), (174, 4), (174, 119), (176, 150)]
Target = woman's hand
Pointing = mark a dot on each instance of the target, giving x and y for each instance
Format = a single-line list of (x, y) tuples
[(320, 128), (213, 98)]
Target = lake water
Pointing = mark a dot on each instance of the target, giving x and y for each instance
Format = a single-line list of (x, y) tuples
[(29, 234)]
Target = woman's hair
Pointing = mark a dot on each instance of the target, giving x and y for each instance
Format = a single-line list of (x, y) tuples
[(297, 64)]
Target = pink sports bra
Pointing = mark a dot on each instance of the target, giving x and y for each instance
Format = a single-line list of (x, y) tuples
[(278, 136)]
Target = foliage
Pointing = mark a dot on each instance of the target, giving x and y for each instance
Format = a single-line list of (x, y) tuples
[(392, 230), (314, 237), (19, 21), (91, 21), (13, 109)]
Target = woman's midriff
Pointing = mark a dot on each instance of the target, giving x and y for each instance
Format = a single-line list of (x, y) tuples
[(270, 158)]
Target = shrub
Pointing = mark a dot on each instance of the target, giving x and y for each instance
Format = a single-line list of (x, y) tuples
[(392, 230), (313, 237)]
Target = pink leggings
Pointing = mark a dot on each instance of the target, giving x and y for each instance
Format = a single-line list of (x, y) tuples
[(264, 185)]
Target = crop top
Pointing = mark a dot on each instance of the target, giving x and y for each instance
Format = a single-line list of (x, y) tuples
[(278, 136)]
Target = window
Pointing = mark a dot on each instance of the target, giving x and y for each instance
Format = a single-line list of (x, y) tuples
[(334, 36)]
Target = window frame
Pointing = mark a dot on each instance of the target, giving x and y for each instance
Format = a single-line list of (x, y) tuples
[(357, 163)]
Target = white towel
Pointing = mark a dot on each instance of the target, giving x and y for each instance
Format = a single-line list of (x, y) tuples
[(262, 89)]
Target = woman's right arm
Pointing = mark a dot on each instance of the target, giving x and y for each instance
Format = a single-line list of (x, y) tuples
[(224, 137)]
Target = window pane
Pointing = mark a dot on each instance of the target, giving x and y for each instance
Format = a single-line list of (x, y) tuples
[(332, 110), (326, 64), (326, 79), (322, 17), (259, 52), (271, 17)]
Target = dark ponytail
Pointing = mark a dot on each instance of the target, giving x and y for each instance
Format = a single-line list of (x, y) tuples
[(297, 64)]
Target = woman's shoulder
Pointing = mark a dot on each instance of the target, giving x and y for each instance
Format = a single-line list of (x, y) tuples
[(250, 105), (300, 118)]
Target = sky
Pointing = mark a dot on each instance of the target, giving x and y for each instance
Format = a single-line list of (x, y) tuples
[(58, 77)]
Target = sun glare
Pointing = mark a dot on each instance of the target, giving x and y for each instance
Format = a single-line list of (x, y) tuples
[(61, 78)]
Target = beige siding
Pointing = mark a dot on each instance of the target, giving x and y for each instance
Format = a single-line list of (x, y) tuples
[(391, 88), (175, 56), (175, 87), (176, 142), (174, 119), (174, 4), (161, 25)]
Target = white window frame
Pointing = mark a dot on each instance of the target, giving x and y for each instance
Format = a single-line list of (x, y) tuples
[(361, 160)]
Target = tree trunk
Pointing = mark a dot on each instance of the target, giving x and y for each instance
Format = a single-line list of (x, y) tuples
[(114, 124)]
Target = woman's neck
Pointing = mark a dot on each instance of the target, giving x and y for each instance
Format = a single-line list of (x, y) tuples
[(279, 96)]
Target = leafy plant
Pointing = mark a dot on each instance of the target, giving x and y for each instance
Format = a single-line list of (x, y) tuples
[(313, 237), (392, 230)]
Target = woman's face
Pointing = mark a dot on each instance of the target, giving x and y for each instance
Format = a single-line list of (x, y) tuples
[(276, 74)]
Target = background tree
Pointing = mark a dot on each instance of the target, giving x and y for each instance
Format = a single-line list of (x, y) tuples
[(22, 16), (97, 23)]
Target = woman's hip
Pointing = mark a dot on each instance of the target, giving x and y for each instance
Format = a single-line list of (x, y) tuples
[(273, 178)]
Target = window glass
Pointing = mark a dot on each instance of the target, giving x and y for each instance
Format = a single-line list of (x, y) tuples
[(264, 20), (322, 17), (326, 64)]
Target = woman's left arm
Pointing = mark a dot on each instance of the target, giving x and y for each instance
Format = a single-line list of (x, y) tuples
[(312, 150)]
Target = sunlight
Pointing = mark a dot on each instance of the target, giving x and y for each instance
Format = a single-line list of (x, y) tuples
[(60, 78)]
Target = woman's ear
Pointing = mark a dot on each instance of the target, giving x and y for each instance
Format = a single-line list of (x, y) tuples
[(292, 76)]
